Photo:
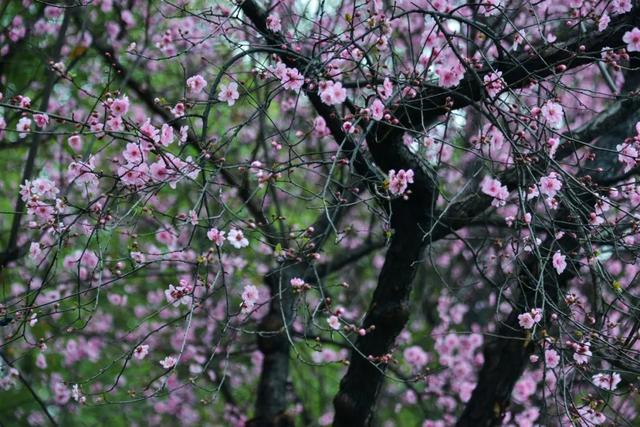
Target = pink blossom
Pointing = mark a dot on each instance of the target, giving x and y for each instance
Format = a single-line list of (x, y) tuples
[(553, 113), (348, 127), (166, 135), (41, 361), (115, 124), (550, 185), (279, 70), (138, 257), (159, 171), (529, 319), (168, 362), (17, 29), (167, 235), (250, 296), (449, 69), (607, 381), (61, 392), (229, 93), (494, 84), (524, 388), (23, 126), (590, 416), (83, 172), (178, 110), (332, 93), (196, 84), (216, 236), (552, 146), (603, 22), (42, 120), (274, 23), (133, 153), (450, 76), (320, 128), (150, 131), (489, 7), (334, 322), (297, 283), (35, 250), (627, 155), (387, 89), (75, 142), (43, 187), (621, 6), (178, 295), (494, 188), (416, 357), (582, 352), (559, 262), (551, 358), (377, 109), (236, 239), (141, 351), (184, 134), (128, 18), (632, 39), (120, 106), (292, 79), (24, 101)]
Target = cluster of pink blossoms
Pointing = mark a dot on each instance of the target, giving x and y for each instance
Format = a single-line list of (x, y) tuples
[(494, 188), (416, 357), (40, 196), (529, 319), (494, 84), (553, 114), (449, 69), (332, 93), (236, 237), (399, 181), (629, 150), (606, 381), (168, 168), (289, 77)]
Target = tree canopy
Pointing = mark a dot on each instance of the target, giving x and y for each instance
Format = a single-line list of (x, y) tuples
[(330, 212)]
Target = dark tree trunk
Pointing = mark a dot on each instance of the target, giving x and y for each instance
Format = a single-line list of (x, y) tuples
[(388, 313), (273, 342)]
